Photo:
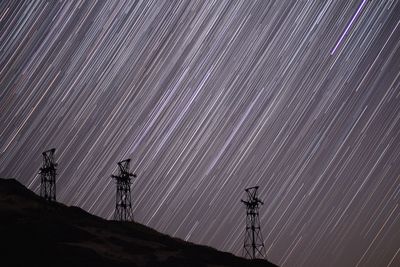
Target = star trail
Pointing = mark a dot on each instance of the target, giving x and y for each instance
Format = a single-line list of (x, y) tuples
[(207, 98)]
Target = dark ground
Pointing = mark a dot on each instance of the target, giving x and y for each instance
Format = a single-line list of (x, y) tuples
[(36, 233)]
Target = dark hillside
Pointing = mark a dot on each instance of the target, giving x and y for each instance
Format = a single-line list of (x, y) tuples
[(36, 233)]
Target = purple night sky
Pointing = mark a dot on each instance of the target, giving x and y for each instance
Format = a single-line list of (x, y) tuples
[(207, 98)]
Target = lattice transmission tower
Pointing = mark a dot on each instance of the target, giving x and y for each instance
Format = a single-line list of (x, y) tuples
[(253, 242), (48, 174), (123, 204)]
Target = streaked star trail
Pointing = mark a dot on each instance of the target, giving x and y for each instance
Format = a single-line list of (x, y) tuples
[(207, 98)]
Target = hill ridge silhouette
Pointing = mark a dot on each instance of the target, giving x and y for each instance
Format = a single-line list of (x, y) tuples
[(35, 232)]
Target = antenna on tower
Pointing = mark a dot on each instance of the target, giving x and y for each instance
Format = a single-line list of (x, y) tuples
[(123, 205), (253, 242), (48, 176)]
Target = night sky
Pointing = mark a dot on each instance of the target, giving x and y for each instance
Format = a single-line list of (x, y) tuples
[(207, 98)]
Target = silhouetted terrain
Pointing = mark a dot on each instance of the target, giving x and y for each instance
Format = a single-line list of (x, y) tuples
[(36, 233)]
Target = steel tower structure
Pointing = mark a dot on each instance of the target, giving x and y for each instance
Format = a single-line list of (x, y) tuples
[(253, 242), (48, 174), (123, 204)]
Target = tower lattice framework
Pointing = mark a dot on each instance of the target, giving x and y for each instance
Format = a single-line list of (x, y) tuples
[(48, 174), (123, 203), (253, 246)]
